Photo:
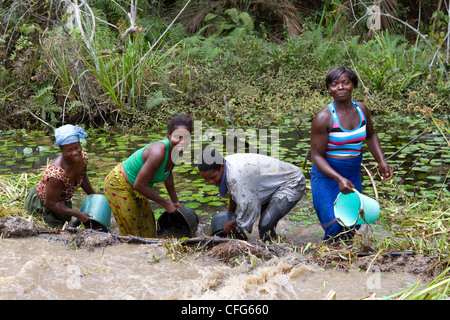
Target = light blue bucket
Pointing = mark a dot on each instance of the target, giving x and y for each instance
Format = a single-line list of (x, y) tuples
[(96, 205), (355, 208)]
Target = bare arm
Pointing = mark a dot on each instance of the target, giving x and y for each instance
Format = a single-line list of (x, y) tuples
[(86, 185), (153, 158), (373, 143), (232, 205), (54, 187), (231, 225), (170, 187)]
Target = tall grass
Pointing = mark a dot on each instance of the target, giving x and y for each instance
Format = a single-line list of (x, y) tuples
[(421, 225), (437, 289), (13, 188), (389, 63), (111, 66)]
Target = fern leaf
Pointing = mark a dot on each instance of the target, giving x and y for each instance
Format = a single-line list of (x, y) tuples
[(44, 98), (155, 99), (209, 17), (233, 13), (247, 21)]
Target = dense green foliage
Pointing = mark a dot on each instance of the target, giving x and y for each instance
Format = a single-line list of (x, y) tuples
[(121, 73)]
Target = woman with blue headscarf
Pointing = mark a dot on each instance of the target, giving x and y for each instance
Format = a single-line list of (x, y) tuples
[(52, 196)]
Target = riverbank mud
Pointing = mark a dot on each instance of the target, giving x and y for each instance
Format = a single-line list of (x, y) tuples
[(17, 227)]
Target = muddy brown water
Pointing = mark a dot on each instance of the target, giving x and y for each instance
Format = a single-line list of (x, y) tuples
[(43, 268), (39, 269)]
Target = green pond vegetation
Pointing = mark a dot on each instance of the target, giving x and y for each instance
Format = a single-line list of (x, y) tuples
[(121, 80), (415, 210)]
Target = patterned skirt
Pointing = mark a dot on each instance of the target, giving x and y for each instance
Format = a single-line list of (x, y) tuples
[(130, 209)]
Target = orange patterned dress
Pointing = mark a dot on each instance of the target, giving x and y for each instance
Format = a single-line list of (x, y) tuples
[(34, 201), (59, 173)]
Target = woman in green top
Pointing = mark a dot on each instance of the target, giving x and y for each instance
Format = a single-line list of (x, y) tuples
[(128, 187)]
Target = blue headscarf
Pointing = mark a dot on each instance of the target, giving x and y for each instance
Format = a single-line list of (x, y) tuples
[(68, 133)]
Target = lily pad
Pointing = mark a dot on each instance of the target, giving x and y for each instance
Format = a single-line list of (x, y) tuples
[(192, 205), (27, 151), (216, 203)]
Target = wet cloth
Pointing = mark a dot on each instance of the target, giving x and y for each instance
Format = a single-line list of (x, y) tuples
[(130, 209), (326, 190), (68, 134), (272, 212), (254, 180), (35, 206)]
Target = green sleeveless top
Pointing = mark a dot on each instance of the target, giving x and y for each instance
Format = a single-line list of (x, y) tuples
[(134, 163)]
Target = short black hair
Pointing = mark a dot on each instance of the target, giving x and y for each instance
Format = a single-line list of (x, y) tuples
[(179, 120), (335, 72), (212, 161)]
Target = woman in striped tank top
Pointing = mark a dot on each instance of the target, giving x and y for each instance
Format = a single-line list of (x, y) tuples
[(337, 134)]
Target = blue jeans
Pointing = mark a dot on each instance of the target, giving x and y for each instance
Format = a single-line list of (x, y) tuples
[(326, 190)]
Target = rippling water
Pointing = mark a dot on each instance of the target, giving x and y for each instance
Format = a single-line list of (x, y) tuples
[(37, 268)]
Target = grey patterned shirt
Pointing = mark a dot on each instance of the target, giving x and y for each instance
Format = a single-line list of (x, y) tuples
[(254, 179)]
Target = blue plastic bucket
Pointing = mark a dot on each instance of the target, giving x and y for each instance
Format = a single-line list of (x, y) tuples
[(96, 205), (355, 208)]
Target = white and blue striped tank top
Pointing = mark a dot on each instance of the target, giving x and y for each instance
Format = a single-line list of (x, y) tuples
[(343, 142)]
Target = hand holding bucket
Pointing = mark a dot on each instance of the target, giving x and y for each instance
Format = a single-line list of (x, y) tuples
[(97, 206), (355, 208)]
